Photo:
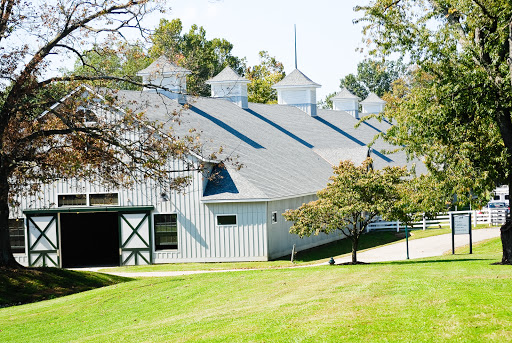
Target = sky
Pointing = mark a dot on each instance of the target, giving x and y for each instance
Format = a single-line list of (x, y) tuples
[(327, 39)]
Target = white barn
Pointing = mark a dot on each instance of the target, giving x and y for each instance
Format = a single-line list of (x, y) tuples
[(287, 151)]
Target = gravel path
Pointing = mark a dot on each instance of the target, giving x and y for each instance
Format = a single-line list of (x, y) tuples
[(418, 248)]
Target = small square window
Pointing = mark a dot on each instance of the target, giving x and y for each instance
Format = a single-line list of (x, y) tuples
[(496, 197), (274, 217), (226, 219), (506, 197)]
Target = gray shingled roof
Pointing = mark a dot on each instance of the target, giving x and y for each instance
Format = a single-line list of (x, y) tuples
[(227, 75), (284, 151), (345, 94), (294, 79), (373, 98), (164, 66)]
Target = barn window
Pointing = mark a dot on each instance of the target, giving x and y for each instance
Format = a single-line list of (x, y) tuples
[(226, 219), (103, 199), (17, 234), (72, 200), (497, 197), (166, 231), (274, 217)]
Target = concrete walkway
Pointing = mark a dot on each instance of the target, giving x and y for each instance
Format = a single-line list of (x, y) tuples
[(418, 248)]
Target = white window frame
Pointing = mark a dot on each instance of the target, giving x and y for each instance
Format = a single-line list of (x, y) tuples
[(177, 233), (226, 215), (273, 216), (87, 199)]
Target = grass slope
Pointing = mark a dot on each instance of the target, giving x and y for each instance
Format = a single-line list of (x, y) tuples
[(27, 285), (461, 298)]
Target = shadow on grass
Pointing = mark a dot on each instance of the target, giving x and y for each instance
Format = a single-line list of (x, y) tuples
[(344, 246), (433, 261), (26, 285)]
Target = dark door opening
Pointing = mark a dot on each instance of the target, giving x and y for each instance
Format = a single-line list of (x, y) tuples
[(89, 239)]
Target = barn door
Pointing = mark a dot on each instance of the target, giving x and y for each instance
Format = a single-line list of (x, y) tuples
[(43, 241), (135, 237)]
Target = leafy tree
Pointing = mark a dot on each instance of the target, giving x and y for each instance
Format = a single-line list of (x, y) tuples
[(262, 77), (456, 110), (372, 76), (112, 58), (354, 198), (192, 50), (40, 143)]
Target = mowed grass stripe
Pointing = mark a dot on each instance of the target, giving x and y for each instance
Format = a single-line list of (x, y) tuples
[(449, 298)]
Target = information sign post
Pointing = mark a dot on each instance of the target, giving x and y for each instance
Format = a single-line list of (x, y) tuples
[(461, 225)]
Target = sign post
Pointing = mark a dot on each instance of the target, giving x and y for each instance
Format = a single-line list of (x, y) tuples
[(461, 225)]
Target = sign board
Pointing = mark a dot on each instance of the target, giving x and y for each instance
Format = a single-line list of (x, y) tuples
[(461, 224)]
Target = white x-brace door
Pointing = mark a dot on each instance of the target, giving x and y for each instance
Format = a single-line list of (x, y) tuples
[(135, 237), (43, 241)]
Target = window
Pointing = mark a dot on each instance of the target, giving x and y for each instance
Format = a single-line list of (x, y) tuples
[(166, 231), (72, 200), (103, 199), (274, 217), (17, 233), (226, 219), (506, 197), (496, 197), (94, 199)]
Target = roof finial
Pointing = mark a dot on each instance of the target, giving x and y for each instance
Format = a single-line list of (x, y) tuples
[(295, 30)]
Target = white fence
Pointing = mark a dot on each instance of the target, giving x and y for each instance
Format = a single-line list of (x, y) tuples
[(484, 216)]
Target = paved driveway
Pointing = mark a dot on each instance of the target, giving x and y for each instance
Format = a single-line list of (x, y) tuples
[(423, 247), (418, 248)]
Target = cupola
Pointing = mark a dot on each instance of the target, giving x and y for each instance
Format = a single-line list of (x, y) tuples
[(168, 78), (296, 89), (230, 86), (372, 104), (346, 101)]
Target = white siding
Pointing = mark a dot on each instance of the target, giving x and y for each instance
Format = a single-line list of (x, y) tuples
[(281, 240)]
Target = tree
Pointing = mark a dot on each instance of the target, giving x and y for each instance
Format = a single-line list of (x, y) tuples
[(80, 136), (354, 198), (192, 50), (456, 112), (114, 58), (372, 76), (263, 76)]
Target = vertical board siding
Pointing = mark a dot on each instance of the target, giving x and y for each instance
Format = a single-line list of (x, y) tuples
[(280, 239), (199, 238)]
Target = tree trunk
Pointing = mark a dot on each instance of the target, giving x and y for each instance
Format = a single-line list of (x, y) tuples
[(355, 243), (506, 242), (506, 234), (6, 256)]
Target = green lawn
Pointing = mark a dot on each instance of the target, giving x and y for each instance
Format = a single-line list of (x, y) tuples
[(35, 284), (461, 298), (311, 256)]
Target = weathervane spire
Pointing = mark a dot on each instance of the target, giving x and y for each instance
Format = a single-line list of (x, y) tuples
[(295, 31)]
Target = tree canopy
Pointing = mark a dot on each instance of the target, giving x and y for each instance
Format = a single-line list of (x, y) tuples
[(372, 75), (193, 51), (355, 197), (51, 126), (262, 77), (455, 110)]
